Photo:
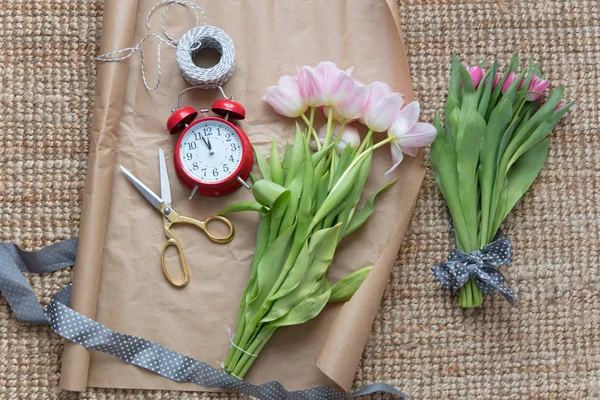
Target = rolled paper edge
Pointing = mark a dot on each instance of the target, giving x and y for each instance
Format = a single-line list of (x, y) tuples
[(117, 32)]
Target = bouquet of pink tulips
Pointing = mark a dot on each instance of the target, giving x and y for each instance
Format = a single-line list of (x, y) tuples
[(307, 200), (490, 147)]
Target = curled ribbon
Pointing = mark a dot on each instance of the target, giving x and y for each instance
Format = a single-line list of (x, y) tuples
[(482, 265), (144, 353)]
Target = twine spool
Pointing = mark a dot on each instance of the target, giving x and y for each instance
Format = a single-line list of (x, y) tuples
[(187, 47), (203, 37)]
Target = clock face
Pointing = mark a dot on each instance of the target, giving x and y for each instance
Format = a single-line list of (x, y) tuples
[(210, 151)]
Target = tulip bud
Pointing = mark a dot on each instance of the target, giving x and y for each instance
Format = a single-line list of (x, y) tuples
[(352, 105), (334, 83), (512, 77), (497, 80), (381, 107), (350, 137), (538, 86), (476, 74)]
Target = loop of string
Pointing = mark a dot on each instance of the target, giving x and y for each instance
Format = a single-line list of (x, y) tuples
[(200, 37), (231, 338), (191, 6)]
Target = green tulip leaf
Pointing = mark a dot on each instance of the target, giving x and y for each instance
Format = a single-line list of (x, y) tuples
[(308, 308), (297, 155), (269, 268), (471, 129), (338, 193), (342, 163), (291, 210), (292, 280), (276, 169), (263, 166), (243, 206), (523, 172), (268, 193), (487, 83), (317, 256), (344, 289), (359, 218), (287, 159), (322, 190), (443, 160), (320, 155)]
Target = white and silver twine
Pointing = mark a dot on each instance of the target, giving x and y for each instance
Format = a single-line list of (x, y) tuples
[(187, 47)]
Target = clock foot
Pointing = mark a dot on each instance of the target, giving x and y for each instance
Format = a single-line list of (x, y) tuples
[(194, 190), (243, 182)]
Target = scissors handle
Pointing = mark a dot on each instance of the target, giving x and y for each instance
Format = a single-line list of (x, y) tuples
[(204, 225), (173, 241)]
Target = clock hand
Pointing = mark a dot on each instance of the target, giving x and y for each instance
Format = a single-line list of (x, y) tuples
[(207, 143), (210, 150)]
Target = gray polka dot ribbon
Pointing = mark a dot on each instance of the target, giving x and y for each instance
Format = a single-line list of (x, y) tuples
[(144, 353), (482, 265)]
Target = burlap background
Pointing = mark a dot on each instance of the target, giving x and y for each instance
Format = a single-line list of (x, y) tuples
[(546, 348)]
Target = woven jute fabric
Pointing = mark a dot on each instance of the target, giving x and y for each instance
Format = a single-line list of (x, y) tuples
[(547, 347)]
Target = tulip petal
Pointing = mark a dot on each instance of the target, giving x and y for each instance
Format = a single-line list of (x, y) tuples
[(397, 158), (288, 82), (406, 120), (410, 151), (422, 134), (350, 137), (351, 106), (337, 89), (381, 115), (310, 86)]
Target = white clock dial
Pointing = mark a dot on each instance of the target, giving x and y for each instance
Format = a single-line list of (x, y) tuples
[(210, 151)]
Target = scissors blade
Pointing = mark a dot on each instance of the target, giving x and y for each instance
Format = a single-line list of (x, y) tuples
[(147, 193), (165, 186)]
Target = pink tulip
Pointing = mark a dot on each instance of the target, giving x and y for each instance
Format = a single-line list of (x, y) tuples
[(558, 107), (335, 83), (352, 105), (408, 134), (350, 137), (381, 107), (476, 74), (538, 86), (285, 98), (310, 86), (512, 77), (497, 80)]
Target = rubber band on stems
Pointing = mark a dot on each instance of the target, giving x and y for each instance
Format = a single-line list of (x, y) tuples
[(231, 338)]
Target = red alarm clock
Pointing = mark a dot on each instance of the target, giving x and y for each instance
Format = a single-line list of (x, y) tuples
[(213, 157)]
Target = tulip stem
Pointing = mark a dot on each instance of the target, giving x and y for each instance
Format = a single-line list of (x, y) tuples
[(359, 158), (339, 136), (329, 131), (310, 129), (364, 143)]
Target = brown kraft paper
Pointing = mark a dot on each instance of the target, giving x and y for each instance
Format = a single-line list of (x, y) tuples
[(117, 32), (271, 38)]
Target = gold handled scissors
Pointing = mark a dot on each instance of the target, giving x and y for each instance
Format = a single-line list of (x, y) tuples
[(171, 217)]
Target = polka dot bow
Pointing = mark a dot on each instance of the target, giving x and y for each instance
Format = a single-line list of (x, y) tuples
[(482, 265)]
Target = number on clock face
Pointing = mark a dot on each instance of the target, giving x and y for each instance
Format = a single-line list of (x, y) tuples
[(210, 151)]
